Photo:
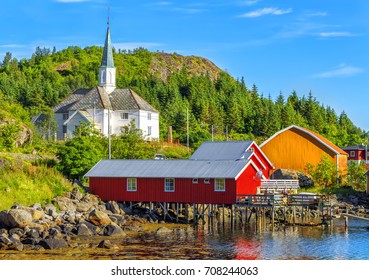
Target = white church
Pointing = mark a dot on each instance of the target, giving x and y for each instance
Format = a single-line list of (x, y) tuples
[(106, 104)]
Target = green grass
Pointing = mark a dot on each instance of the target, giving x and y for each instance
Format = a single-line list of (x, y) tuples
[(24, 183)]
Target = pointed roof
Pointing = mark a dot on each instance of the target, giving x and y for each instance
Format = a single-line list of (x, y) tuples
[(107, 59), (317, 137), (229, 150), (98, 98)]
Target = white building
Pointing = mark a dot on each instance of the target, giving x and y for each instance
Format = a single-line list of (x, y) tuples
[(96, 104)]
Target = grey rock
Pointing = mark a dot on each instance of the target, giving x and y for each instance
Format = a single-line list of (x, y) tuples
[(83, 230), (15, 218), (114, 230), (113, 207), (53, 243)]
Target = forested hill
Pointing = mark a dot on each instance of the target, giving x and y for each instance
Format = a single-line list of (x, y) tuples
[(172, 83)]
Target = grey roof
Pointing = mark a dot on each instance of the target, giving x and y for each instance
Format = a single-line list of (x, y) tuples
[(167, 169), (230, 150), (353, 148), (107, 59), (98, 98)]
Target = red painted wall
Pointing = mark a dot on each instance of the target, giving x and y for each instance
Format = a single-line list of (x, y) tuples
[(152, 190), (258, 152), (247, 182)]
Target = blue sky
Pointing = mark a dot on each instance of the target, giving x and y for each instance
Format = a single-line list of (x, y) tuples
[(304, 45)]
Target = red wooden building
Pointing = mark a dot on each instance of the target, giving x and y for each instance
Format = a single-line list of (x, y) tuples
[(357, 153), (215, 174)]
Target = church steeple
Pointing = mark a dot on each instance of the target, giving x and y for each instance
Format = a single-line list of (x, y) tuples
[(107, 73)]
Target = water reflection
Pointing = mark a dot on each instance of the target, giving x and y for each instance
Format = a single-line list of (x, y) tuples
[(248, 243)]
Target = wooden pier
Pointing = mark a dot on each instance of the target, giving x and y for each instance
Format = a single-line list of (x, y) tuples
[(269, 209)]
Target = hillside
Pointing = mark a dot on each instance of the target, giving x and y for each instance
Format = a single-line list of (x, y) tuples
[(172, 83)]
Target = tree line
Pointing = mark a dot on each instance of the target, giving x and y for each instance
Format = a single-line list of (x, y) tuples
[(223, 107)]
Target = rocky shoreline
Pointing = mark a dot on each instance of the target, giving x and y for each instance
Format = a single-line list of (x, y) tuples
[(77, 220), (69, 218)]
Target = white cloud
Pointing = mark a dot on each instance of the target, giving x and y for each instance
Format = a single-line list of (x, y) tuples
[(267, 11), (251, 2), (341, 70), (335, 34)]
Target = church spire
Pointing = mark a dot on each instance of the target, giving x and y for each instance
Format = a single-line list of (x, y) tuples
[(107, 71)]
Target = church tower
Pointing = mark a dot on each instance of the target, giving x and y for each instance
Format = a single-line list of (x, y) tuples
[(107, 71)]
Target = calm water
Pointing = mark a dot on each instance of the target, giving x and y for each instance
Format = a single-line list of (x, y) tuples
[(334, 243)]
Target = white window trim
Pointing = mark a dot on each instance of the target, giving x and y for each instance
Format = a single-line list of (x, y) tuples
[(195, 181), (149, 116), (207, 181), (123, 114), (166, 187), (130, 186), (352, 153), (215, 185)]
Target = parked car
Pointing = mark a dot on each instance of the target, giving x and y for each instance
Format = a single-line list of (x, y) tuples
[(160, 157)]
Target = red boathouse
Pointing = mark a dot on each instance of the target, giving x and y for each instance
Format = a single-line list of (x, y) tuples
[(215, 174)]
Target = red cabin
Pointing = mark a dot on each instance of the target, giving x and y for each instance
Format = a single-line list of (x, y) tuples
[(215, 174)]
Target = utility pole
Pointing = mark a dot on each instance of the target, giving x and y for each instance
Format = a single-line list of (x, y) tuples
[(109, 132), (188, 131)]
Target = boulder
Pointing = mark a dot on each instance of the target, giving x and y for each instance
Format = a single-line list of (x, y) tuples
[(76, 194), (99, 218), (305, 181), (50, 210), (53, 243), (114, 230), (84, 206), (65, 203), (36, 214), (113, 207), (15, 218), (83, 230)]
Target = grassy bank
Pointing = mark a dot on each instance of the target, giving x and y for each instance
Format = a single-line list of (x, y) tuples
[(26, 182)]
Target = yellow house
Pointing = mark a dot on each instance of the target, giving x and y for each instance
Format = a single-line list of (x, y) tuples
[(294, 147)]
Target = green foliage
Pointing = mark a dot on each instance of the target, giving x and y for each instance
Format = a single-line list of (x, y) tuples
[(172, 84), (356, 176), (324, 174), (131, 145), (81, 153), (26, 183)]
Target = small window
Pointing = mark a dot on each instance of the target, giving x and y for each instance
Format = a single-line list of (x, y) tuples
[(149, 116), (195, 181), (169, 185), (352, 153), (219, 185), (65, 116), (64, 129), (207, 181), (131, 184), (149, 130), (124, 116)]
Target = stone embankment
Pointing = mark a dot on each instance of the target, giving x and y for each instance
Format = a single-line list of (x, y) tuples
[(69, 217)]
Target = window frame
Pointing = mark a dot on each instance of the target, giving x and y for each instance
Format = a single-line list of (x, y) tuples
[(149, 130), (171, 187), (352, 154), (149, 116), (123, 116), (129, 186), (207, 181), (195, 180), (222, 185)]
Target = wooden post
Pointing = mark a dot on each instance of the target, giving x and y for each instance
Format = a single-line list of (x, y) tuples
[(186, 212), (346, 222), (177, 212), (223, 215), (273, 209)]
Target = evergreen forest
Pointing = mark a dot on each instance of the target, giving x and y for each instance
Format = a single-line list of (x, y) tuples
[(219, 106)]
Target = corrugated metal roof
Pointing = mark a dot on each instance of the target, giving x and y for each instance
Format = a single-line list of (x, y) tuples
[(167, 169), (230, 150), (98, 98), (353, 148)]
